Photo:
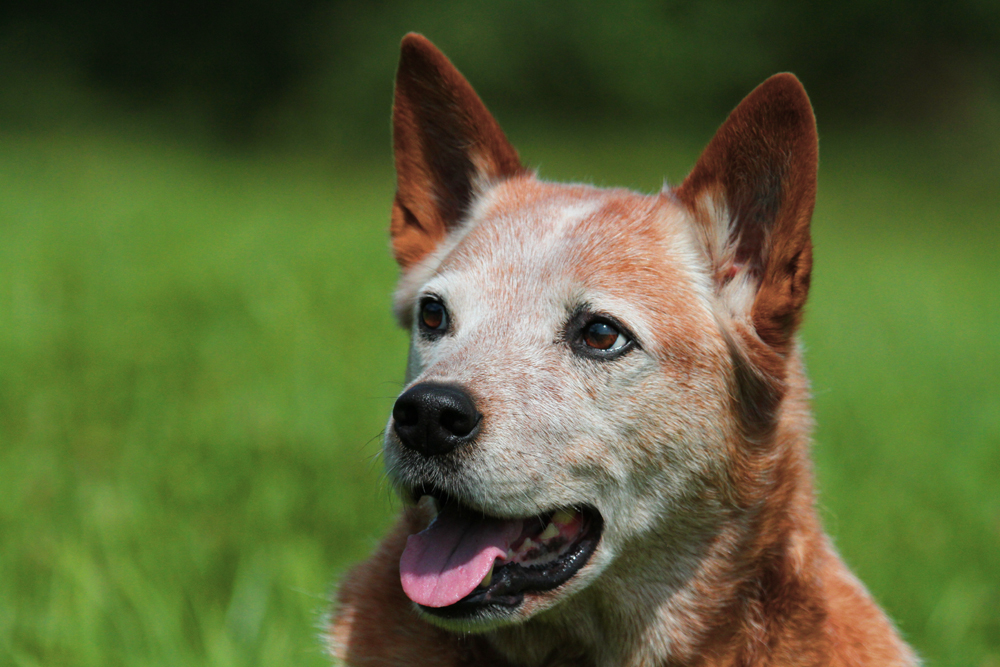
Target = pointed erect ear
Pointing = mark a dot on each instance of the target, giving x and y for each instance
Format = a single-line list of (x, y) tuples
[(446, 145), (753, 191)]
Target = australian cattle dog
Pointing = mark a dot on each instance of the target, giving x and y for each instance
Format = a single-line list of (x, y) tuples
[(602, 446)]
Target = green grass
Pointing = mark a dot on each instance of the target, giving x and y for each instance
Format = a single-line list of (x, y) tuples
[(197, 358)]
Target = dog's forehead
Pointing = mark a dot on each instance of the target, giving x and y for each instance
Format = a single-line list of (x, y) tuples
[(524, 228), (547, 247)]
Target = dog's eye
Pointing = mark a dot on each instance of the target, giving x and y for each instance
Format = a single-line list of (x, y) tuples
[(604, 336), (433, 316), (598, 336)]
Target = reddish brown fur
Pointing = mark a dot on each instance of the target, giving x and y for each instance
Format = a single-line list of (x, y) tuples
[(772, 212), (769, 588)]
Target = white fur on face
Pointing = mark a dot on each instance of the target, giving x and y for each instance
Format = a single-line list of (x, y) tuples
[(638, 437)]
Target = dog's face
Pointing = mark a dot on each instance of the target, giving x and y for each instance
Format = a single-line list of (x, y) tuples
[(571, 343), (578, 356)]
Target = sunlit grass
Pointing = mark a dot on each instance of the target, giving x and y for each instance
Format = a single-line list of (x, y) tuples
[(197, 358)]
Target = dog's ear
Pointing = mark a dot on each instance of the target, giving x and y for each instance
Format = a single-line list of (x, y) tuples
[(446, 144), (752, 191)]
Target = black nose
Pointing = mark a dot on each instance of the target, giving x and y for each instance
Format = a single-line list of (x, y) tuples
[(435, 418)]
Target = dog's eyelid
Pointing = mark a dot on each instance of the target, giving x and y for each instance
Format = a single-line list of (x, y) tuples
[(424, 297)]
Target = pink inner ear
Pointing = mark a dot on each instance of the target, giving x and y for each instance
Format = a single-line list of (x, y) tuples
[(732, 271)]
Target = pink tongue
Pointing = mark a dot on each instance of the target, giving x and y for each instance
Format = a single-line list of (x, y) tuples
[(446, 561)]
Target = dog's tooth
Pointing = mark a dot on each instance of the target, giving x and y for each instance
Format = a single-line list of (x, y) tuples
[(550, 531), (526, 546), (488, 578), (563, 517)]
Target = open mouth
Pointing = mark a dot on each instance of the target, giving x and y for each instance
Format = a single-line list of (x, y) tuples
[(465, 561)]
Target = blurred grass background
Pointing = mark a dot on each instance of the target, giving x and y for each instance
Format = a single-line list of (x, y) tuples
[(196, 352)]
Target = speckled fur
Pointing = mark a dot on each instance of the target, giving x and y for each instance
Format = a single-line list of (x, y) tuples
[(693, 446)]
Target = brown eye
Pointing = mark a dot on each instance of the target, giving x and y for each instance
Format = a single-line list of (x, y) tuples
[(603, 336), (597, 336), (433, 315)]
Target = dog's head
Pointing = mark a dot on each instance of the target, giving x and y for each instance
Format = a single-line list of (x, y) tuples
[(591, 371)]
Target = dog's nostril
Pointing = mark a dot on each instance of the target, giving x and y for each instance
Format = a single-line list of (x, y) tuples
[(458, 423), (405, 414)]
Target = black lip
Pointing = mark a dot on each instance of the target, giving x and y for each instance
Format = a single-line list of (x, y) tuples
[(512, 581)]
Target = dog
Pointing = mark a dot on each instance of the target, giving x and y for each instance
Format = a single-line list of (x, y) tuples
[(602, 445)]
